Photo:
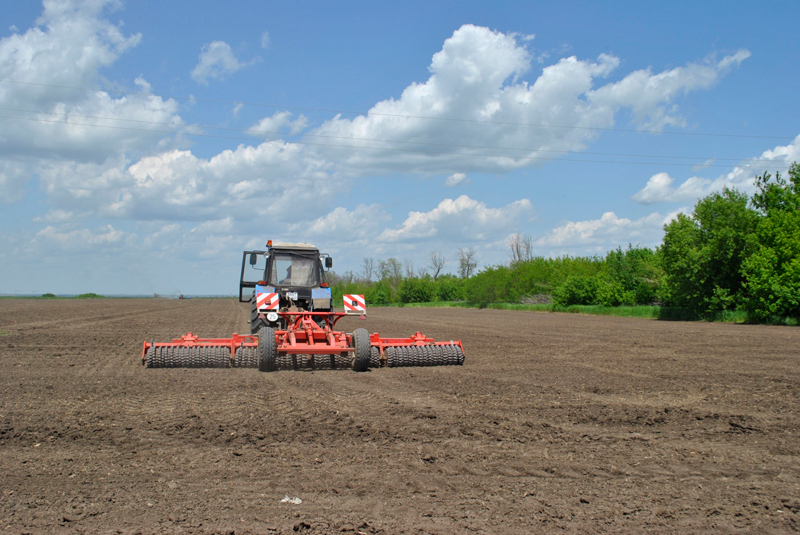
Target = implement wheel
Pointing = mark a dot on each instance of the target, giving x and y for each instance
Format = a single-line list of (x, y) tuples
[(267, 351), (362, 350)]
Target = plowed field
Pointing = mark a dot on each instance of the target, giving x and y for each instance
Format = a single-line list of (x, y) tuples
[(555, 422)]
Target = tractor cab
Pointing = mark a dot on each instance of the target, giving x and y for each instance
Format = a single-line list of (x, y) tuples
[(285, 277), (284, 267)]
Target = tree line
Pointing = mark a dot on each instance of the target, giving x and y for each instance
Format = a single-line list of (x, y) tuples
[(733, 252)]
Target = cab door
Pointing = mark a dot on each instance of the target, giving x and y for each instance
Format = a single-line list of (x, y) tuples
[(254, 268)]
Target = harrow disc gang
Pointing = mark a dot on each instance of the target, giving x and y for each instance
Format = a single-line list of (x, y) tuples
[(427, 355), (189, 351)]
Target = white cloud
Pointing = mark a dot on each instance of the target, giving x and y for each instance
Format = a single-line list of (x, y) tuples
[(69, 47), (269, 180), (265, 40), (13, 177), (143, 176), (362, 222), (55, 216), (279, 122), (647, 95), (217, 61), (606, 233), (455, 179), (704, 165), (475, 99), (83, 240), (659, 187), (460, 219)]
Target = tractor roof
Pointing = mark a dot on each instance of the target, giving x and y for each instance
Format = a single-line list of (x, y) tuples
[(305, 246)]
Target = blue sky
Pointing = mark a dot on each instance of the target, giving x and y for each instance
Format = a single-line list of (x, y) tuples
[(144, 144)]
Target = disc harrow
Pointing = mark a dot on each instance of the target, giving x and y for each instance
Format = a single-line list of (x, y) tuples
[(308, 342)]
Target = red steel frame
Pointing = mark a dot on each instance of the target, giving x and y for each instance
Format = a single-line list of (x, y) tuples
[(303, 336)]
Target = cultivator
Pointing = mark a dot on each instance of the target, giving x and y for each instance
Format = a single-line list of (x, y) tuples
[(308, 341)]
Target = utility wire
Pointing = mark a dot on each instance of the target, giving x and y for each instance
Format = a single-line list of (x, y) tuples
[(431, 153), (256, 133), (404, 116)]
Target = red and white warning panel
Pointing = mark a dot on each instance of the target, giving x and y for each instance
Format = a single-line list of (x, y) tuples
[(267, 301), (355, 304)]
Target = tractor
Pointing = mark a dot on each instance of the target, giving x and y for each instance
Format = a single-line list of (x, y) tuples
[(292, 325)]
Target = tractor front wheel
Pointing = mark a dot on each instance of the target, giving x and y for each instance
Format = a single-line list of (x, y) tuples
[(362, 350)]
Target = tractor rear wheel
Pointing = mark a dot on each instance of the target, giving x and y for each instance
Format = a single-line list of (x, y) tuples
[(267, 350), (362, 350), (255, 322)]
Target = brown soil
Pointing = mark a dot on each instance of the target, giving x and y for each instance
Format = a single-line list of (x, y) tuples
[(555, 422)]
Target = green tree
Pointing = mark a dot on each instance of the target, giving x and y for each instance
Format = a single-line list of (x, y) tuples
[(772, 272), (702, 255)]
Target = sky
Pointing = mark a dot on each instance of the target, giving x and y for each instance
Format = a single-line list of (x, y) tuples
[(144, 145)]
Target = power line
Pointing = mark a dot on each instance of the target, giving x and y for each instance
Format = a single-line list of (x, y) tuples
[(256, 133), (431, 153), (404, 116)]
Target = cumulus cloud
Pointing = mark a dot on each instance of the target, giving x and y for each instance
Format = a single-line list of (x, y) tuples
[(279, 122), (55, 216), (455, 179), (476, 76), (217, 61), (648, 94), (607, 232), (660, 187), (268, 180), (13, 177), (83, 240), (475, 99), (69, 46), (362, 222), (460, 219)]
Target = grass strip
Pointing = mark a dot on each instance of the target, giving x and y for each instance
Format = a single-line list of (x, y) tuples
[(641, 311)]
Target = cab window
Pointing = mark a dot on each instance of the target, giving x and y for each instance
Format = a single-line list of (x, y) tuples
[(291, 270)]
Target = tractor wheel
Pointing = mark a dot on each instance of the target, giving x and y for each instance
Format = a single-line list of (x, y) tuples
[(362, 350), (267, 351), (255, 322)]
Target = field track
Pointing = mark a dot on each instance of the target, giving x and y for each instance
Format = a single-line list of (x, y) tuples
[(556, 422)]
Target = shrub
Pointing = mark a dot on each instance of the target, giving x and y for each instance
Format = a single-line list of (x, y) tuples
[(416, 290), (449, 288), (379, 294), (576, 290), (613, 294)]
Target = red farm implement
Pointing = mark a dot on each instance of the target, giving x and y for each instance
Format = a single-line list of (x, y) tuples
[(292, 324), (308, 341)]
